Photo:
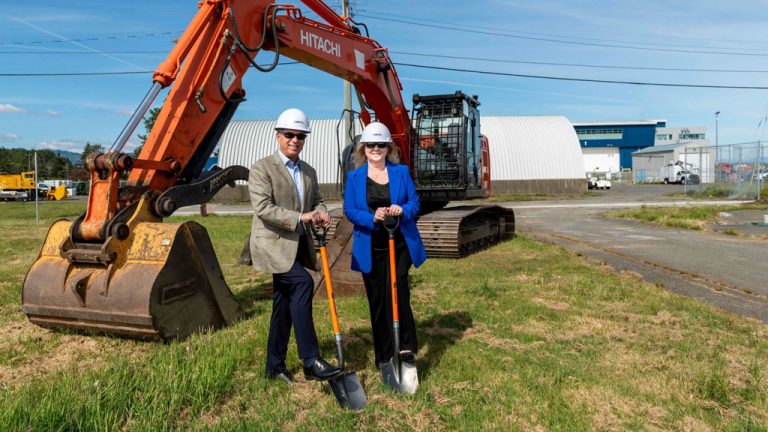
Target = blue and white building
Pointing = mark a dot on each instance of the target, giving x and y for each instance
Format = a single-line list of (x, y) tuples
[(607, 147)]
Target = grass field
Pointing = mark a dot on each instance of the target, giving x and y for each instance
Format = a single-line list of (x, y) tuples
[(523, 336), (695, 218)]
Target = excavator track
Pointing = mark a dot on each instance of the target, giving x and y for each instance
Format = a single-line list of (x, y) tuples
[(455, 232)]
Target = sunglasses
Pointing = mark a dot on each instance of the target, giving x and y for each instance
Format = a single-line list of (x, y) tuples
[(374, 145), (291, 135)]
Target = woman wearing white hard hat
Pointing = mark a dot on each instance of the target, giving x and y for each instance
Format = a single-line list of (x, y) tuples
[(378, 188)]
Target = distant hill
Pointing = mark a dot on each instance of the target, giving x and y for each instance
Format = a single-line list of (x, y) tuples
[(70, 156)]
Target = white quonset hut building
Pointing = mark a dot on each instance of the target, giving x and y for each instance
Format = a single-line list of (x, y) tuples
[(528, 154)]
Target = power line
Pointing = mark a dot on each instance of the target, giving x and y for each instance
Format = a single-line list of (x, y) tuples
[(507, 31), (421, 24), (83, 52), (63, 74), (578, 64), (129, 36), (554, 78), (492, 60), (58, 74), (638, 83)]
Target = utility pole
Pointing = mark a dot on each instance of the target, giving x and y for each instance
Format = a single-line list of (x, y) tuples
[(717, 137), (347, 119), (34, 190)]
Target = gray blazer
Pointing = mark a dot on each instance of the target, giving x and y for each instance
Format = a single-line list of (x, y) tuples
[(276, 210)]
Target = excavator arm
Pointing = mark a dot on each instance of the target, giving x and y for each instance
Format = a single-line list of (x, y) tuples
[(205, 69)]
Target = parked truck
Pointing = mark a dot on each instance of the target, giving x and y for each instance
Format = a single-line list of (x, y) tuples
[(17, 187), (677, 172)]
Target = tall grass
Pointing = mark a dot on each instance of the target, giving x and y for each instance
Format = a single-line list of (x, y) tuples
[(523, 336)]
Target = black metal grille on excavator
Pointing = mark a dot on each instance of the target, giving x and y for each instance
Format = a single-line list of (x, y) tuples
[(439, 155)]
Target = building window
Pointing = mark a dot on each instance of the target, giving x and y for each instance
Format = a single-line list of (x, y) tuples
[(662, 137), (690, 136), (599, 134)]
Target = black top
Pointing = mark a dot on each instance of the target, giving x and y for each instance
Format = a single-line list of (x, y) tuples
[(377, 195)]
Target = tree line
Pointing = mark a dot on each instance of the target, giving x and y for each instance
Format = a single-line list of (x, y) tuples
[(52, 166)]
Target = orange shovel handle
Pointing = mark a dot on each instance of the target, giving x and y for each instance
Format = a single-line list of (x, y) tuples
[(393, 278), (329, 289)]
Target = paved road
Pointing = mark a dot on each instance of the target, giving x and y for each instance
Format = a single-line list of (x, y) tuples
[(729, 272)]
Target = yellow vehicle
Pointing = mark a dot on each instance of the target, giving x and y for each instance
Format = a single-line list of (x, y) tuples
[(18, 186), (58, 193)]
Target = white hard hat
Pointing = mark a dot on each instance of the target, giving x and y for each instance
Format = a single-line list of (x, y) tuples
[(376, 132), (293, 119)]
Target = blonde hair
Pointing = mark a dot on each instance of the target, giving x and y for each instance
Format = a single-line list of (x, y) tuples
[(393, 155)]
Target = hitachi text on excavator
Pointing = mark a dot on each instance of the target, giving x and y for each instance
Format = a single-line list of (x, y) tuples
[(119, 269)]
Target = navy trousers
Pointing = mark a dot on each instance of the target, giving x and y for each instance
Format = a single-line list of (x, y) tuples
[(291, 306)]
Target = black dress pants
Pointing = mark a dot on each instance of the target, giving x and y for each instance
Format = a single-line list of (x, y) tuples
[(291, 305), (379, 292)]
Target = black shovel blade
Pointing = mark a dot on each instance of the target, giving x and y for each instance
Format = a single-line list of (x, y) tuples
[(348, 391)]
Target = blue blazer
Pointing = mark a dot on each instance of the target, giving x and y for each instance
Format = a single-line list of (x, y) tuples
[(402, 193)]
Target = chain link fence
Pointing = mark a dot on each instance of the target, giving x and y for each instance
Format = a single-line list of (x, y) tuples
[(732, 170)]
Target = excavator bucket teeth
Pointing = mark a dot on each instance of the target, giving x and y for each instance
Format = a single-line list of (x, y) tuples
[(162, 282)]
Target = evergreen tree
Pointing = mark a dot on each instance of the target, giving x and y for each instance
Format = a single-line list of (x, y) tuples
[(149, 123), (90, 149)]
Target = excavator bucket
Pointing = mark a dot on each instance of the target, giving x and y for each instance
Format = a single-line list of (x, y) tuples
[(162, 281)]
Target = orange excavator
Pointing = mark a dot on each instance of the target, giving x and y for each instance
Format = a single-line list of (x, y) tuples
[(120, 269)]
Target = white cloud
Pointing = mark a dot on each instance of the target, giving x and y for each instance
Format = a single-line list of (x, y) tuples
[(123, 112), (65, 144), (8, 137), (52, 113), (8, 108)]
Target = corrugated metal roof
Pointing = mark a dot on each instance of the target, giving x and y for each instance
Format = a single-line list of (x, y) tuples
[(668, 147), (522, 148), (533, 148)]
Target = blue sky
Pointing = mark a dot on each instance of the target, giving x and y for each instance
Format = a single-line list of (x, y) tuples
[(66, 112)]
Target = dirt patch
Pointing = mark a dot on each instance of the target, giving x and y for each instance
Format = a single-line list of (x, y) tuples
[(608, 408), (424, 295), (558, 306), (590, 327), (525, 278), (665, 318), (483, 335), (58, 352)]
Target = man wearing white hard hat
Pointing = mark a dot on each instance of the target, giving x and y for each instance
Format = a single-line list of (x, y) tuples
[(286, 200)]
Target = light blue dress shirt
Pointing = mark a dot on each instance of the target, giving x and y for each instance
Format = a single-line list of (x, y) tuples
[(294, 169)]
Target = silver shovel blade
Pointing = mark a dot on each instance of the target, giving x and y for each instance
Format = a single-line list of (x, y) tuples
[(409, 379), (349, 392), (401, 377), (389, 375)]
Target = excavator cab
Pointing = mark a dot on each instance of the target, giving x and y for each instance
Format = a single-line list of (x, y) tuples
[(447, 158)]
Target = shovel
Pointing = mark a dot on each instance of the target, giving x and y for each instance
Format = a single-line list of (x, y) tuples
[(397, 375), (346, 386)]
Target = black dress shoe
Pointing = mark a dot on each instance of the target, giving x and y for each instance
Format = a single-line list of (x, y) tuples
[(321, 371), (280, 374)]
